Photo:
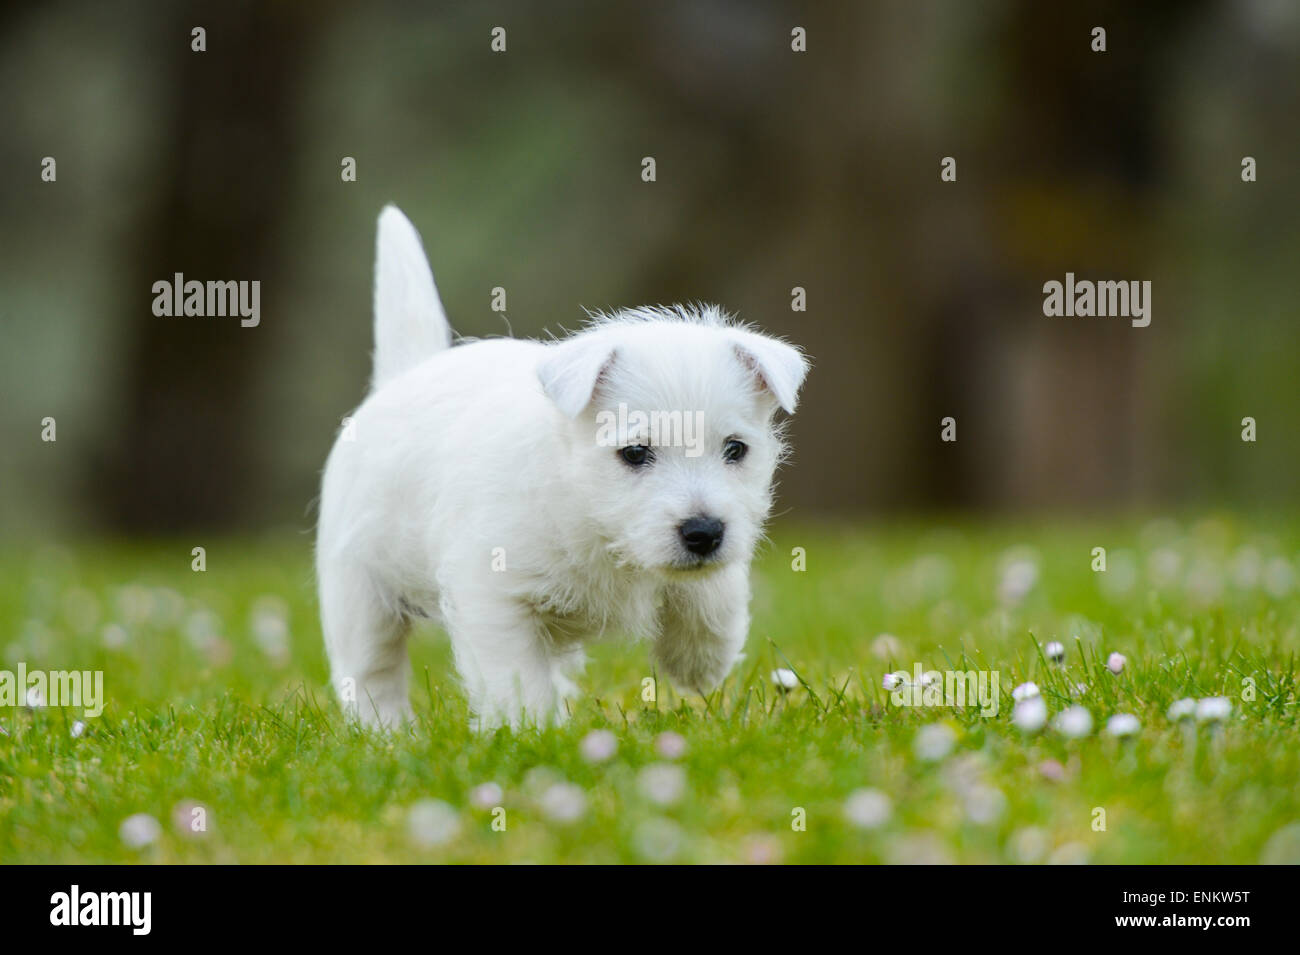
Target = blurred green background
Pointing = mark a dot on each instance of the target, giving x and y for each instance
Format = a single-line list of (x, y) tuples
[(776, 169)]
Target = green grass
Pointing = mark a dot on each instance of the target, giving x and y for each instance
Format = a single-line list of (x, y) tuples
[(203, 705)]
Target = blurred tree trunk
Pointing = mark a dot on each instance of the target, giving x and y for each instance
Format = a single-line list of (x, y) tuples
[(1068, 420), (184, 456)]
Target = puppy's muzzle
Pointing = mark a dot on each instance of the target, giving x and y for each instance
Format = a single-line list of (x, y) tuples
[(702, 535)]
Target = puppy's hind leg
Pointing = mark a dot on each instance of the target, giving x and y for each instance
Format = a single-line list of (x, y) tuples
[(365, 638)]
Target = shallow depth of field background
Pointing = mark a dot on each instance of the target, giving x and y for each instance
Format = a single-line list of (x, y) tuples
[(775, 169)]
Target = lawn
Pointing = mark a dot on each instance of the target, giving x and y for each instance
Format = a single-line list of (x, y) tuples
[(218, 718)]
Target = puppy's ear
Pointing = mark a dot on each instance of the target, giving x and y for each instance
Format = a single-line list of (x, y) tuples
[(779, 367), (570, 374)]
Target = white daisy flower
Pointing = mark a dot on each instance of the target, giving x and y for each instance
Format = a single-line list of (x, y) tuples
[(887, 647), (1279, 577), (1073, 722), (762, 850), (1054, 651), (919, 848), (1122, 724), (1072, 853), (1163, 567), (1018, 579), (269, 622), (78, 729), (1030, 714), (168, 607), (1053, 770), (190, 818), (113, 636), (139, 830), (1024, 691), (201, 628), (868, 808), (1283, 847), (785, 679), (1183, 709), (486, 796), (1212, 709), (985, 804), (893, 681), (934, 741), (663, 784), (432, 822), (1030, 844), (670, 745), (659, 840), (599, 746), (563, 802), (134, 603)]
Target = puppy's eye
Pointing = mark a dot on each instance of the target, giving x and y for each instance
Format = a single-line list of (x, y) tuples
[(734, 450), (636, 455)]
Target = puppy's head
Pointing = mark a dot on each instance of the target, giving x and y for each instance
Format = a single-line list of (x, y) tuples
[(670, 419)]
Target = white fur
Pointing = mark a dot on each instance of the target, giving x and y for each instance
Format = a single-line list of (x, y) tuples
[(410, 324), (472, 488)]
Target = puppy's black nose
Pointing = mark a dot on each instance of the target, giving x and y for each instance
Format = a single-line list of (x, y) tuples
[(702, 535)]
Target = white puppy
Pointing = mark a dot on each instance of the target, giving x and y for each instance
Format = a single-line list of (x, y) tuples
[(535, 495)]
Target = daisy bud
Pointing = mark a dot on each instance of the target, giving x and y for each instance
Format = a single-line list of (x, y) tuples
[(1115, 663), (1055, 651), (893, 681)]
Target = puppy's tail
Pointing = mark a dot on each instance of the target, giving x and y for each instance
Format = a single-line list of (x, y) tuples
[(410, 324)]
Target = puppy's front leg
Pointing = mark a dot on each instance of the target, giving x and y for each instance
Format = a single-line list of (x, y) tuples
[(702, 628), (505, 662)]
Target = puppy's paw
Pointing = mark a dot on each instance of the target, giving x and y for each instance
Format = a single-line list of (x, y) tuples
[(695, 669), (392, 716), (490, 719)]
